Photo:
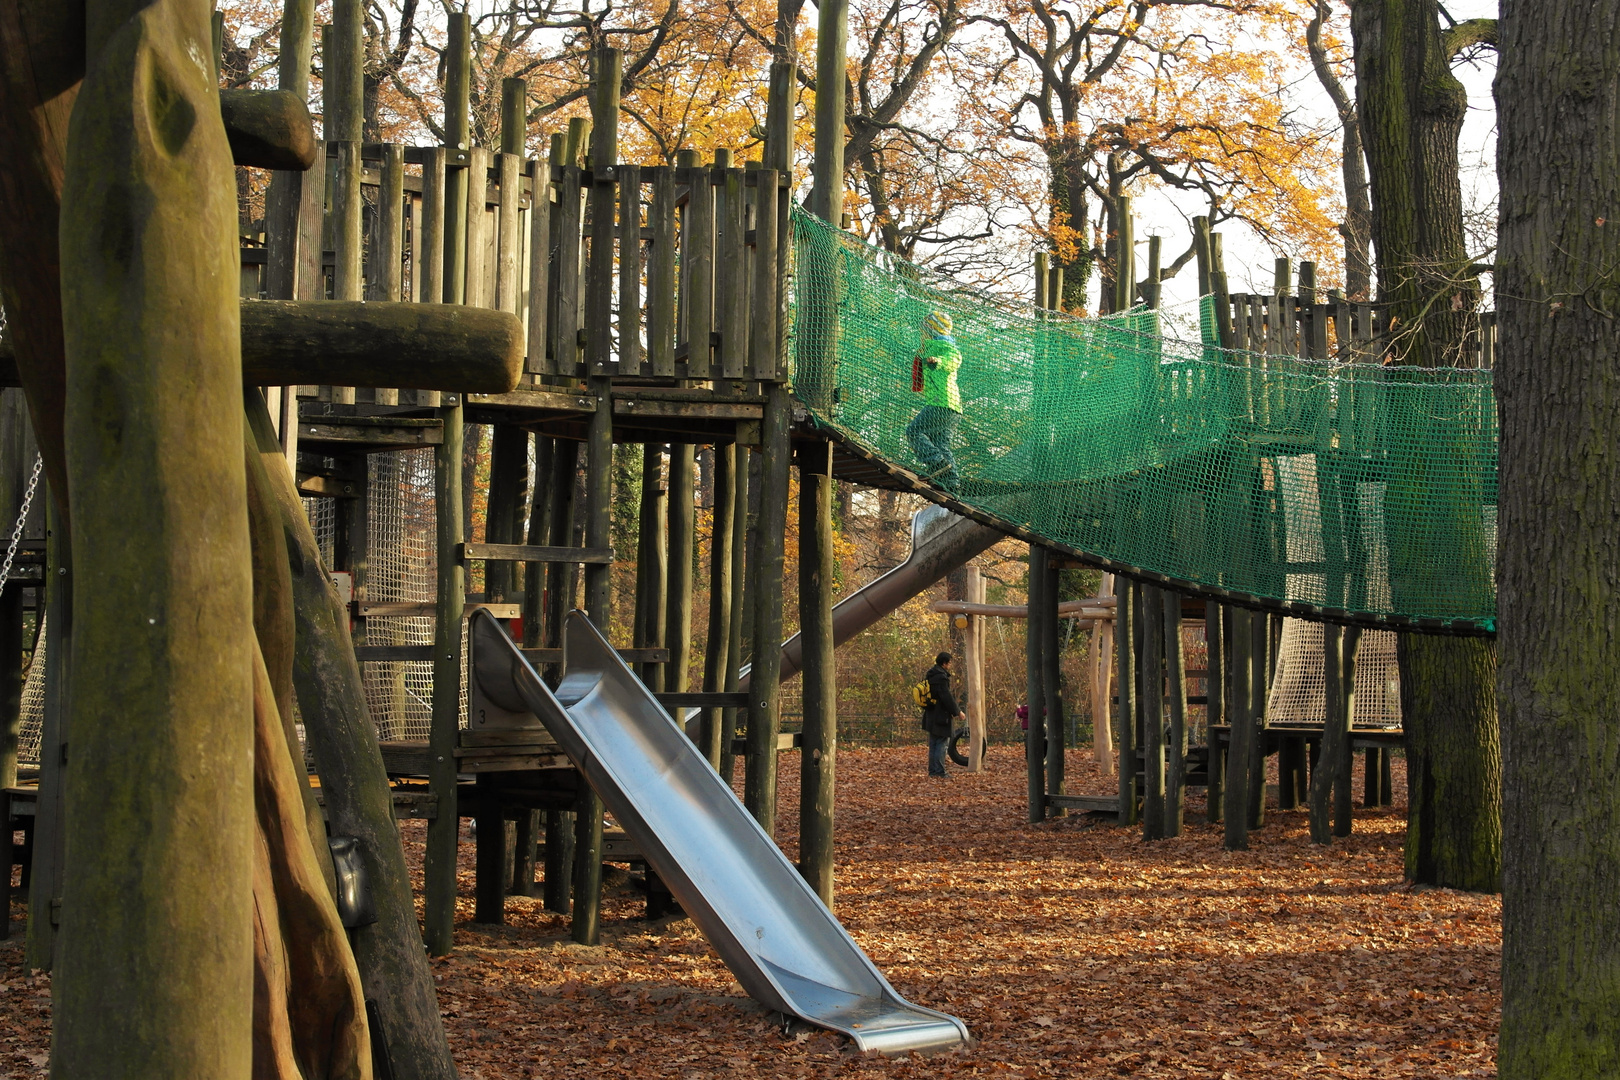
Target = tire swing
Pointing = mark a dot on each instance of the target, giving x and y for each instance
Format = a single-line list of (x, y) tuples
[(959, 739)]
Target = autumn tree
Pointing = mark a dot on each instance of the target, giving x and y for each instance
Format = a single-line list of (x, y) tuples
[(1113, 94), (1558, 165), (1411, 109)]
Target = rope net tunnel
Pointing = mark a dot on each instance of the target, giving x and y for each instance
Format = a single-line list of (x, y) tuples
[(1349, 491)]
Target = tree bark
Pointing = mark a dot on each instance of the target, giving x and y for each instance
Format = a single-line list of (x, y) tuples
[(1411, 110), (155, 975), (1558, 385)]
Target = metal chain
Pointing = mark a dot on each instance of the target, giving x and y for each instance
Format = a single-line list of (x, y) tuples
[(22, 518)]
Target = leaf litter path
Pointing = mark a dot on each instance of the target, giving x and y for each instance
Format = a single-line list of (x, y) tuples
[(1070, 949)]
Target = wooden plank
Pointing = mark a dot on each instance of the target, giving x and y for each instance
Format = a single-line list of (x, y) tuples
[(1096, 804), (630, 351), (733, 278), (565, 347), (535, 553), (661, 273), (764, 352), (697, 269), (410, 609), (392, 653), (392, 436), (479, 286), (509, 234)]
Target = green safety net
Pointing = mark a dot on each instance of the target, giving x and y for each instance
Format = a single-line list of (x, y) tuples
[(1348, 491)]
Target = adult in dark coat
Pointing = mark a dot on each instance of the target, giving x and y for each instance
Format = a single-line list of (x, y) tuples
[(941, 717)]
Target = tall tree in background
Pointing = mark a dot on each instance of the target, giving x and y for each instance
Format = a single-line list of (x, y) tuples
[(1558, 389), (1357, 225), (1411, 110), (1114, 94)]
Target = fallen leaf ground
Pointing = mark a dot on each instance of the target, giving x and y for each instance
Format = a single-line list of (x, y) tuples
[(1070, 949)]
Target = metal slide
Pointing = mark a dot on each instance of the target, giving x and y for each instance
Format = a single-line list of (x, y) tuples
[(779, 940), (941, 541)]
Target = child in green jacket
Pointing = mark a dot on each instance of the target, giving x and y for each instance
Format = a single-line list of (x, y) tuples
[(930, 433)]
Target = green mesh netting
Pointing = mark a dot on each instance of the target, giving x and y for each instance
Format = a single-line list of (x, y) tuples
[(1346, 490)]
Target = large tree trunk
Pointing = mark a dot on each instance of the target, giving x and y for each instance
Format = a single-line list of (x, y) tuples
[(156, 972), (1558, 389), (1411, 110)]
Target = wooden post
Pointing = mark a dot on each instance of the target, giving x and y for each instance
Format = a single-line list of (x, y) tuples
[(739, 595), (1236, 803), (765, 597), (439, 860), (1125, 268), (819, 753), (1100, 666), (832, 46), (1255, 718), (682, 541), (651, 567), (1052, 687), (973, 670), (1125, 615), (45, 879), (283, 198), (1342, 797), (458, 137), (1175, 672), (1215, 709), (1035, 644), (391, 238), (16, 461), (605, 84), (720, 587), (1153, 745), (1335, 736)]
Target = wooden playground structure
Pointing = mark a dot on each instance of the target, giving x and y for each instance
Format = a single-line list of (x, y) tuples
[(626, 304)]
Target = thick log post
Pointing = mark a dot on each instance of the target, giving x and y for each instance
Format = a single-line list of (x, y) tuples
[(765, 596), (1254, 719), (458, 140), (739, 596), (1343, 796), (1125, 658), (1153, 750), (354, 782), (1335, 736), (1236, 805), (717, 654), (1215, 709), (508, 490), (682, 540), (1036, 642), (439, 860), (1052, 687), (599, 451), (16, 462), (1175, 674), (817, 770), (652, 567), (162, 766)]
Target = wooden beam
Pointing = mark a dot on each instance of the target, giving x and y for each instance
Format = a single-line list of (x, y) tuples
[(411, 346), (535, 553), (268, 129)]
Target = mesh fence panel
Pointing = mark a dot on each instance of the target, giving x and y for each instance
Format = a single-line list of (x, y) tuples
[(33, 703), (1299, 691), (1356, 490)]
